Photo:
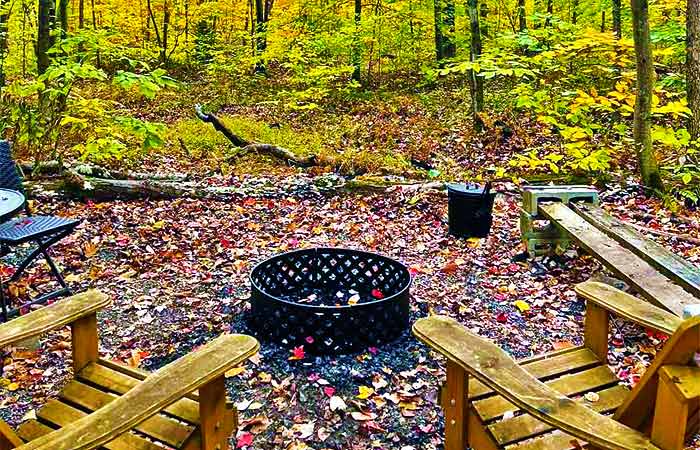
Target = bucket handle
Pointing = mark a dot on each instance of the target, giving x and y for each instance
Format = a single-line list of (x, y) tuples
[(487, 190)]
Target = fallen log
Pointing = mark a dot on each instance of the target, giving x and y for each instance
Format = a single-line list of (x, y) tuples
[(249, 146), (55, 168)]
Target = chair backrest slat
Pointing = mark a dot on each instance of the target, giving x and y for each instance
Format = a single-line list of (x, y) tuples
[(9, 176)]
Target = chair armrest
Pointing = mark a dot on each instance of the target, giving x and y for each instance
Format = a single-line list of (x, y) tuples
[(628, 307), (149, 397), (57, 315), (492, 366)]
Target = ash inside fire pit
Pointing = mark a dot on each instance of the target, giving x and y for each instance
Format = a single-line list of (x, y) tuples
[(329, 300)]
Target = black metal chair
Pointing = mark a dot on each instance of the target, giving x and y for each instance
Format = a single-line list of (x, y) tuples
[(44, 231)]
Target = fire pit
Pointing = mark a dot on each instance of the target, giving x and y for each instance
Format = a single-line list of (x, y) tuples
[(329, 300)]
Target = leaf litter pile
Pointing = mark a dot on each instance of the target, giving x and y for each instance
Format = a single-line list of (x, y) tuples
[(177, 272)]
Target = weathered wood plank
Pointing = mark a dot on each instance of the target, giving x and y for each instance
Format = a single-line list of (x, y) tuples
[(456, 407), (112, 381), (157, 427), (136, 373), (590, 380), (84, 343), (8, 438), (52, 317), (525, 426), (628, 307), (671, 418), (673, 266), (63, 415), (553, 441), (217, 423), (493, 367), (545, 367), (161, 389), (653, 285)]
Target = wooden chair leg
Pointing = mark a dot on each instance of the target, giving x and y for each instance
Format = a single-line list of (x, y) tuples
[(8, 438), (215, 418), (596, 331), (456, 407), (85, 344), (670, 417)]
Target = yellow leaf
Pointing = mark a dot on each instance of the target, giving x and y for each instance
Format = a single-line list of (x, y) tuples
[(365, 392), (158, 225), (521, 305), (12, 386), (235, 371)]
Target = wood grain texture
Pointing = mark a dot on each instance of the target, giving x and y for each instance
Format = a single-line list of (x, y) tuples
[(8, 437), (673, 266), (84, 345), (650, 283), (595, 331), (52, 317), (136, 373), (592, 379), (628, 307), (546, 366), (217, 425), (523, 427), (670, 419), (150, 396), (456, 406), (678, 350), (110, 380), (158, 427), (493, 367)]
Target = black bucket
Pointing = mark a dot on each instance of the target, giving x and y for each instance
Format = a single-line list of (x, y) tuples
[(470, 209)]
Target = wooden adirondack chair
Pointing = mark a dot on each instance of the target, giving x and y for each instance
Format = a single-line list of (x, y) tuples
[(484, 384), (118, 408)]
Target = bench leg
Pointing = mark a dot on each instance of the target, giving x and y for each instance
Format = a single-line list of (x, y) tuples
[(215, 418), (456, 407)]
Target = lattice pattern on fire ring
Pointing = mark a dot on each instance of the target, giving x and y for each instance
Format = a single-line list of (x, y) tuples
[(335, 331), (328, 329)]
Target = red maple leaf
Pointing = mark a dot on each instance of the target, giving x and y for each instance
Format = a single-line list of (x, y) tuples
[(297, 353), (329, 391), (376, 293), (244, 440)]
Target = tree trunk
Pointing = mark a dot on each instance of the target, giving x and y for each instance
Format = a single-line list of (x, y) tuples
[(550, 12), (693, 66), (166, 29), (43, 42), (476, 82), (81, 14), (645, 87), (602, 22), (4, 37), (356, 48), (63, 15), (522, 20), (617, 17), (444, 29), (260, 35), (574, 12)]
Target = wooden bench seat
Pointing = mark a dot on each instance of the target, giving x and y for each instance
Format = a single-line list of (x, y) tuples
[(662, 278)]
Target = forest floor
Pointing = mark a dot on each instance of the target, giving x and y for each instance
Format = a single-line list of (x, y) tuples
[(177, 272)]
